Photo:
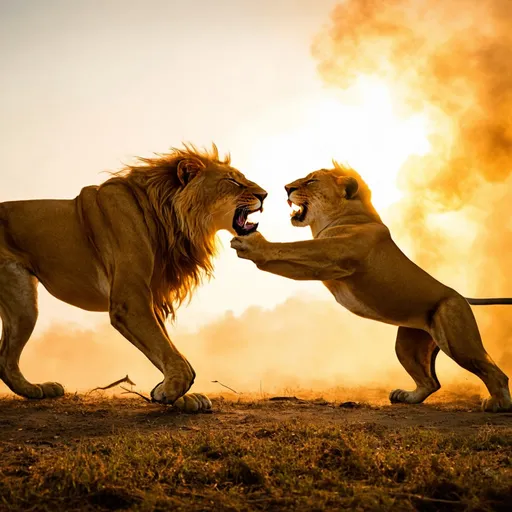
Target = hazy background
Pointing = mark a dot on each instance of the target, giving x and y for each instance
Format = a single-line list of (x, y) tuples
[(417, 95)]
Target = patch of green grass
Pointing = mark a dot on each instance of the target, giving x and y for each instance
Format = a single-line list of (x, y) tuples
[(285, 465)]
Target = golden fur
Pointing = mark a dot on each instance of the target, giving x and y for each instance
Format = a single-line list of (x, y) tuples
[(354, 255), (135, 246)]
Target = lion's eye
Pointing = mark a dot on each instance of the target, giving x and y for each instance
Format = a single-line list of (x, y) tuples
[(233, 181), (309, 182)]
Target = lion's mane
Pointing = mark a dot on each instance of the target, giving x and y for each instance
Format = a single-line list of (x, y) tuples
[(185, 243)]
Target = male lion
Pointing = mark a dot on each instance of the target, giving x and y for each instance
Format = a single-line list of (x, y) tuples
[(135, 246), (354, 255)]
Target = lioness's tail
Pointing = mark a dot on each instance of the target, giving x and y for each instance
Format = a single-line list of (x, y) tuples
[(489, 302)]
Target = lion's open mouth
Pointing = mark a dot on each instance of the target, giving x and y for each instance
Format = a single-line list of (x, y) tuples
[(242, 224), (299, 211)]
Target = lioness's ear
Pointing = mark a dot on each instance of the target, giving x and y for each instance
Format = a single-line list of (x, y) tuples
[(350, 184), (188, 168)]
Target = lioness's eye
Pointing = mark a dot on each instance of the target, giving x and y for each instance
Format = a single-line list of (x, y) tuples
[(309, 182), (233, 181)]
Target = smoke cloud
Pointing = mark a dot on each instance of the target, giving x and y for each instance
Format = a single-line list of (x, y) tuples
[(450, 58)]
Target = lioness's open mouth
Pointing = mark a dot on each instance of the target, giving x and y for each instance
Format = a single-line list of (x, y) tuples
[(241, 222), (299, 211)]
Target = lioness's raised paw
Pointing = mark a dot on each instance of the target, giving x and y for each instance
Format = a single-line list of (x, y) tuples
[(249, 247), (193, 403)]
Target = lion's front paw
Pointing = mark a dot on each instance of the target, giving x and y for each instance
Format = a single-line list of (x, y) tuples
[(193, 402), (168, 391), (493, 404)]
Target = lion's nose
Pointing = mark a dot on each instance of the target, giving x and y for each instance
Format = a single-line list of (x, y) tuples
[(289, 189), (261, 196)]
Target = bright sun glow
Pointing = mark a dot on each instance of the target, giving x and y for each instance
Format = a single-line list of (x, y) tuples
[(360, 129)]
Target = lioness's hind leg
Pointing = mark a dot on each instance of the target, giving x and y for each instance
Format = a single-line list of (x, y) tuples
[(456, 332), (18, 309), (417, 352)]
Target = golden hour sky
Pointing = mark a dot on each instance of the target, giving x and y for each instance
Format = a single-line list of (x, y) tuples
[(86, 85)]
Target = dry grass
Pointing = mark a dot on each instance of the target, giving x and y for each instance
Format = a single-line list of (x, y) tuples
[(121, 454)]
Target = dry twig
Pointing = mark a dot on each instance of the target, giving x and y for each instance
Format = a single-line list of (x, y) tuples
[(116, 383), (224, 385), (127, 391)]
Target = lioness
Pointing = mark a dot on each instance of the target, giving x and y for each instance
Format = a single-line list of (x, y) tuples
[(135, 246), (354, 255)]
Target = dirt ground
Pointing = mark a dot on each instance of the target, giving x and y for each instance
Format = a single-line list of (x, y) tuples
[(73, 418), (101, 452)]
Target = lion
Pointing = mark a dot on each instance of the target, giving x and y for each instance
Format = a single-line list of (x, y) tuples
[(353, 254), (136, 246)]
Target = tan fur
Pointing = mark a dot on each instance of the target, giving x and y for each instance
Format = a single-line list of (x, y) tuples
[(354, 255), (135, 246)]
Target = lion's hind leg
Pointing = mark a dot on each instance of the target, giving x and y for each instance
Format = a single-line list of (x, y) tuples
[(18, 310), (417, 352), (456, 332)]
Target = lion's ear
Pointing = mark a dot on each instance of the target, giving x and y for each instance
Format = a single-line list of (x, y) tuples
[(350, 185), (188, 168)]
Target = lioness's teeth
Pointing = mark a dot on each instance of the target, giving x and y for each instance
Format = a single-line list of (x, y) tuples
[(297, 210)]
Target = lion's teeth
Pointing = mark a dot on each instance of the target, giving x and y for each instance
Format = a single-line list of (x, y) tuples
[(254, 217), (296, 208)]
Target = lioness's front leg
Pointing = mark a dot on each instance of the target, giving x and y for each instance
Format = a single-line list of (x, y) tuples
[(319, 260), (131, 313)]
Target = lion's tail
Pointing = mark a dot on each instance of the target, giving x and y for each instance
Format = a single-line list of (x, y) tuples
[(490, 302)]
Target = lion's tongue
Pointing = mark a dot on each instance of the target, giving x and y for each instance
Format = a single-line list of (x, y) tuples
[(249, 221), (241, 220)]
